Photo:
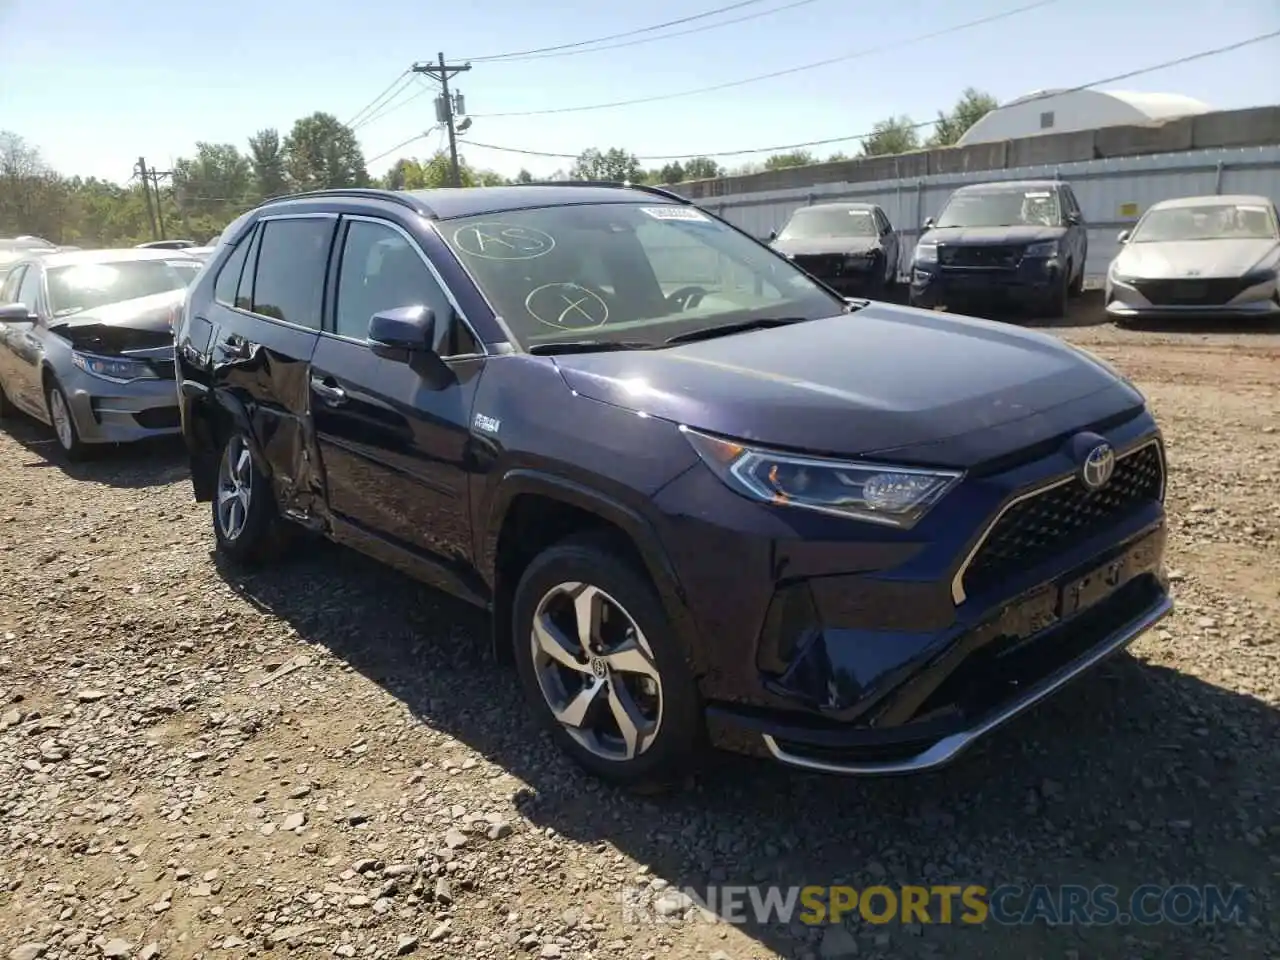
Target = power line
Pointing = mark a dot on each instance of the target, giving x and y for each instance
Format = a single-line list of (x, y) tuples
[(1201, 55), (389, 107), (447, 107), (398, 146), (514, 54), (755, 15), (398, 82), (991, 18)]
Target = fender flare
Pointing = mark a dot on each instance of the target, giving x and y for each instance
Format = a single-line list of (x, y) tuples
[(662, 573)]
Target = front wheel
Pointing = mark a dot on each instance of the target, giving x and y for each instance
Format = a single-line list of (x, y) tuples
[(246, 523), (602, 669), (63, 422)]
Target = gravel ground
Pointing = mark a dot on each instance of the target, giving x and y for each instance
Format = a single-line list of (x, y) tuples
[(318, 760)]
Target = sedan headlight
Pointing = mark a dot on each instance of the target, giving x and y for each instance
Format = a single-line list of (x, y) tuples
[(115, 369), (874, 492), (1045, 248), (1255, 277), (926, 252)]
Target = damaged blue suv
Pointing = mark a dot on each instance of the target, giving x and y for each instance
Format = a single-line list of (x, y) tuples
[(707, 499)]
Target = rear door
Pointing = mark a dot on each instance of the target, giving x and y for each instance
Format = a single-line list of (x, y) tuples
[(394, 444), (266, 322), (1078, 233), (889, 239)]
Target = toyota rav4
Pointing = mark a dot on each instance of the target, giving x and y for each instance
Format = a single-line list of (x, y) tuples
[(707, 499)]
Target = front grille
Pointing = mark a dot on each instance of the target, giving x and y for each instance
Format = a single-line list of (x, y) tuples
[(821, 264), (158, 418), (1213, 292), (986, 255), (1050, 522)]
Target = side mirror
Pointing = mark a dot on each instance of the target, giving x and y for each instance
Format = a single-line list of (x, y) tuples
[(1124, 236), (1074, 219), (402, 333), (928, 223), (773, 235), (16, 313)]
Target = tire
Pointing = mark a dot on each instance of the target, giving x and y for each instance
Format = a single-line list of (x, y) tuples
[(1077, 285), (246, 522), (6, 405), (63, 422), (637, 651), (1056, 308)]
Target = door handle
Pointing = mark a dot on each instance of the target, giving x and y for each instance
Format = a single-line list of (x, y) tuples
[(329, 393)]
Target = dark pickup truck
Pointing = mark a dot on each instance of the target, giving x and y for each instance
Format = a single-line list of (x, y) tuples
[(1021, 243)]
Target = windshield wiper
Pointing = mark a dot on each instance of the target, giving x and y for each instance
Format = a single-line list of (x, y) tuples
[(588, 346), (725, 329)]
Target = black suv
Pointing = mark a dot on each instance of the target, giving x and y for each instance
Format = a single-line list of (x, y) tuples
[(851, 247), (705, 497), (1019, 243)]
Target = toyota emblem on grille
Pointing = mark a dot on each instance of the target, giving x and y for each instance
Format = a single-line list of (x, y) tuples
[(1098, 466)]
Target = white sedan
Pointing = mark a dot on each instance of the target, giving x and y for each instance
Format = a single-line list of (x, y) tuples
[(1198, 256)]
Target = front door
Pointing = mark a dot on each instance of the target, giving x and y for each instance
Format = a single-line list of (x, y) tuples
[(24, 350), (395, 444)]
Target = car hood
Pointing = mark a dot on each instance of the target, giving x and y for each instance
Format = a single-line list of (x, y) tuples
[(1192, 258), (126, 326), (992, 235), (820, 245), (929, 387)]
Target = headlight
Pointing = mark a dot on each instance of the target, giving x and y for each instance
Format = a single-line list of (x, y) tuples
[(876, 493), (926, 253), (1255, 277), (1045, 248), (115, 369)]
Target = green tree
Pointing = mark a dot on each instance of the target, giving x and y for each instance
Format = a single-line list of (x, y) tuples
[(33, 198), (972, 106), (321, 153), (217, 177), (702, 168), (612, 164), (524, 176), (672, 173), (266, 155), (795, 158), (890, 137)]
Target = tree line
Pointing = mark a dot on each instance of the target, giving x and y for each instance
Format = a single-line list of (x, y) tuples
[(206, 191)]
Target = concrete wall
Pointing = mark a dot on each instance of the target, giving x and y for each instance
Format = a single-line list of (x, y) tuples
[(1258, 126), (1113, 191)]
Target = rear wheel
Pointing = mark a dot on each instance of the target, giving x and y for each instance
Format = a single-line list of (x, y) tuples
[(1056, 308), (246, 523), (1077, 285), (601, 668)]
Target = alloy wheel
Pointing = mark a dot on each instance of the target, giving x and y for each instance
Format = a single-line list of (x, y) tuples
[(235, 488), (61, 418), (596, 671)]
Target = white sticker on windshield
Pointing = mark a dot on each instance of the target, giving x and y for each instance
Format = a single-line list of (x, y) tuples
[(1039, 195), (687, 214)]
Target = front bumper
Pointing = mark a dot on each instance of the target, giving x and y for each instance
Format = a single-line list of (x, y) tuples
[(833, 645), (107, 412), (1124, 302), (1032, 283)]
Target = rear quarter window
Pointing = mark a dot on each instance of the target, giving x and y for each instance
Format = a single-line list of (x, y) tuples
[(224, 288)]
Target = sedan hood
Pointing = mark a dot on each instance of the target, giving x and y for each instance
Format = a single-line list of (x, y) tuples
[(931, 388), (992, 235), (820, 245), (1192, 258), (129, 325)]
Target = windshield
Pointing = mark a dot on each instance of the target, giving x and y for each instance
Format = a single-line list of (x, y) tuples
[(816, 223), (1001, 208), (623, 271), (1210, 221), (87, 285)]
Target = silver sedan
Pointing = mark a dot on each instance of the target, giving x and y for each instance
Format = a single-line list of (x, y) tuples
[(1213, 256), (86, 343)]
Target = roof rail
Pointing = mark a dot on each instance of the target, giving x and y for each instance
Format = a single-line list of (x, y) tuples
[(366, 193), (615, 184)]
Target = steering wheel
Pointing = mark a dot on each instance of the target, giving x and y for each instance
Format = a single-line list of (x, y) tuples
[(686, 298)]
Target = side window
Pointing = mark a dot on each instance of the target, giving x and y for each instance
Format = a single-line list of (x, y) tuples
[(9, 293), (293, 256), (382, 270), (29, 291), (244, 290), (883, 222), (224, 288)]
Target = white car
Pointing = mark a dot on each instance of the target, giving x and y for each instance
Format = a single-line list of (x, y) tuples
[(1198, 256)]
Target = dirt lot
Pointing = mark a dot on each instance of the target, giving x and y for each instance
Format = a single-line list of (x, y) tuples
[(317, 761)]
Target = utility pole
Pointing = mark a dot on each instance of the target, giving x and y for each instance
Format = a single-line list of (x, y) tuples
[(140, 171), (443, 72), (155, 176)]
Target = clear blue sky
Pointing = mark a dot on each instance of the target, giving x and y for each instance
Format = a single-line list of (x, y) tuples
[(93, 83)]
